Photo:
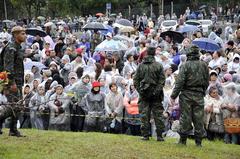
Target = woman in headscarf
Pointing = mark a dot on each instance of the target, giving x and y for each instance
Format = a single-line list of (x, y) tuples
[(130, 103), (25, 117), (213, 112), (231, 107), (80, 89), (114, 108), (28, 77), (37, 105), (36, 72), (65, 68), (35, 84), (93, 105), (59, 110), (36, 52)]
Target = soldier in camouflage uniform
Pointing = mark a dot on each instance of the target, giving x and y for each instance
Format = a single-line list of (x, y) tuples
[(149, 81), (192, 83), (13, 64)]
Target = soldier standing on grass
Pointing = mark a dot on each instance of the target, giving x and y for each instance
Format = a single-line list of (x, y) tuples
[(12, 59), (149, 81), (192, 83)]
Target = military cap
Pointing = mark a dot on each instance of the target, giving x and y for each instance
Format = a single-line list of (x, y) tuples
[(193, 50), (18, 29)]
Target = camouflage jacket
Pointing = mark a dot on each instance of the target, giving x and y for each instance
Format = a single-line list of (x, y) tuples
[(154, 70), (13, 63), (193, 77)]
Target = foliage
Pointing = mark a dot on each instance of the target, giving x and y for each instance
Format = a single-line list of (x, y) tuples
[(62, 145), (83, 7)]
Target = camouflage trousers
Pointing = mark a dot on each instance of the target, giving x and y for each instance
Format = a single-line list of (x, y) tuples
[(10, 110), (146, 108), (192, 111)]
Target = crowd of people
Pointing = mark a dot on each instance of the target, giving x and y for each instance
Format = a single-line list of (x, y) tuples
[(69, 85)]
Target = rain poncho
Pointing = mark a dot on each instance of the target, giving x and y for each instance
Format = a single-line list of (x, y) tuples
[(59, 121)]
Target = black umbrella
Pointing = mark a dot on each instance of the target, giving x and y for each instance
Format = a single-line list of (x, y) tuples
[(95, 26), (124, 22), (175, 36), (36, 31)]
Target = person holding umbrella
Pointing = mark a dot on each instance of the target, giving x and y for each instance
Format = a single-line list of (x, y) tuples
[(39, 41)]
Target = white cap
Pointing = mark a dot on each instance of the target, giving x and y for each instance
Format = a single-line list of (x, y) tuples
[(109, 34)]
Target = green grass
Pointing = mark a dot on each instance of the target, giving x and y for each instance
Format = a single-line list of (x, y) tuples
[(69, 145)]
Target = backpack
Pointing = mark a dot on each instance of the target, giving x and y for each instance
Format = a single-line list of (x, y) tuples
[(2, 58)]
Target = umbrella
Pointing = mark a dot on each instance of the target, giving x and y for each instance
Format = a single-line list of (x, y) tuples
[(36, 31), (176, 36), (124, 22), (41, 18), (193, 22), (95, 26), (7, 21), (61, 23), (113, 15), (202, 6), (109, 30), (206, 44), (124, 29), (28, 65), (48, 24), (123, 38), (188, 28), (99, 14), (111, 45)]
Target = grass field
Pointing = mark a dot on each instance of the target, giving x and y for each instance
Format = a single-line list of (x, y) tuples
[(69, 145)]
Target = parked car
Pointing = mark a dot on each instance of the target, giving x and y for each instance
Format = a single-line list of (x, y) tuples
[(169, 25), (206, 25)]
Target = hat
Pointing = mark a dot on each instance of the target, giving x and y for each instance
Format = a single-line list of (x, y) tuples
[(72, 75), (165, 53), (213, 72), (53, 63), (66, 57), (17, 29), (53, 84), (36, 44), (58, 85), (109, 34), (47, 72), (69, 48), (228, 77), (96, 84), (166, 67), (79, 51), (86, 75), (193, 50)]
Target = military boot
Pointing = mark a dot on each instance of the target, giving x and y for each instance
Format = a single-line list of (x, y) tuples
[(145, 138), (198, 142), (16, 133), (182, 141), (160, 138), (13, 128)]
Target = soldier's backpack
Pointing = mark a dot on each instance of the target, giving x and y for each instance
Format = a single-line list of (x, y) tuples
[(2, 58)]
